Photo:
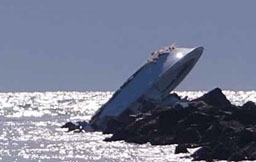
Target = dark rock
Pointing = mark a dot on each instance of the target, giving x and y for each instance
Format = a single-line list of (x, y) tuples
[(249, 106), (244, 153), (230, 126), (71, 126), (189, 135), (81, 126), (198, 117), (169, 119), (84, 126), (120, 135), (215, 98), (162, 140), (252, 155), (222, 130), (200, 105), (149, 127), (223, 151), (112, 126), (244, 116), (203, 153), (181, 149), (212, 133), (128, 137), (245, 136), (175, 95), (237, 157)]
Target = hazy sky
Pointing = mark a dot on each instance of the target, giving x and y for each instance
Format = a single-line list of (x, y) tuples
[(96, 45)]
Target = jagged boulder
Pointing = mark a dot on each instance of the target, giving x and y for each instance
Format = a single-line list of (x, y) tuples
[(249, 106), (181, 149), (215, 98)]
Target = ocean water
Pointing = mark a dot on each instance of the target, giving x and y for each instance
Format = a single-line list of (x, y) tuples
[(30, 128)]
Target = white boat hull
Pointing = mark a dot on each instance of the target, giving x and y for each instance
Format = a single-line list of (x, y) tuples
[(153, 82)]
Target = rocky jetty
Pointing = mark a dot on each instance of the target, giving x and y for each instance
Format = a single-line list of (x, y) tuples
[(222, 131)]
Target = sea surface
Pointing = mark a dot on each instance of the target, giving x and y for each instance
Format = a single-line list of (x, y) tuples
[(30, 128)]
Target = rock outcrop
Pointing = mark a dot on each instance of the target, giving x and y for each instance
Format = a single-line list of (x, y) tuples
[(222, 131)]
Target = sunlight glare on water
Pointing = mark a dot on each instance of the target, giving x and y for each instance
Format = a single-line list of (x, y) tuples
[(30, 128)]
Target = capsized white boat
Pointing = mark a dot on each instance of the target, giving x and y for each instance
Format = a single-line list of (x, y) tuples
[(152, 83)]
